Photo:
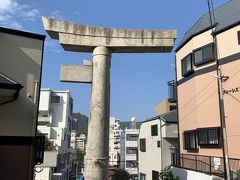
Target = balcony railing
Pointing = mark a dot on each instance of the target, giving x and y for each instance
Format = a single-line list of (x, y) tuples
[(205, 164), (172, 91)]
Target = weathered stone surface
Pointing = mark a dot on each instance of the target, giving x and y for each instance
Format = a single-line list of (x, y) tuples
[(87, 62), (76, 73), (97, 151), (76, 37)]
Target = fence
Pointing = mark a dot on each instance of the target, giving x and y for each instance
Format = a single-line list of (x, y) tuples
[(206, 164)]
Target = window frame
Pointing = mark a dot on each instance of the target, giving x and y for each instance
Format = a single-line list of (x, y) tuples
[(204, 61), (142, 176), (131, 164), (55, 96), (238, 36), (130, 150), (208, 144), (187, 73), (143, 147), (195, 137), (132, 137), (155, 173), (154, 130)]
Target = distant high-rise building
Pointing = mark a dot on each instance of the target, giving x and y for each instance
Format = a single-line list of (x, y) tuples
[(129, 147), (114, 142)]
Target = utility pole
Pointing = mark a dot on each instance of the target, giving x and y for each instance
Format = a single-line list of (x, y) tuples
[(220, 78)]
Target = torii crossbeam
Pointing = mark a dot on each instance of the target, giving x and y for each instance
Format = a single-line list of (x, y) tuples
[(102, 42)]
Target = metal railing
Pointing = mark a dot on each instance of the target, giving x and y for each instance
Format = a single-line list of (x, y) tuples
[(171, 91), (206, 164)]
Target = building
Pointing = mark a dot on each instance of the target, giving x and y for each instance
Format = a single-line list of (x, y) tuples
[(129, 149), (114, 142), (81, 141), (158, 135), (73, 139), (167, 104), (54, 121), (21, 55), (205, 46)]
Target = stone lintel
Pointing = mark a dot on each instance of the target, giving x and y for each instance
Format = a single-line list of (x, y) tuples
[(76, 37), (76, 73)]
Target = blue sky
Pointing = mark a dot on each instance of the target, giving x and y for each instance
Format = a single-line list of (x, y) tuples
[(138, 81)]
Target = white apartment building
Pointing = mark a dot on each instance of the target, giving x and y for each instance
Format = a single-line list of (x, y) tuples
[(54, 121), (158, 135), (129, 149), (81, 142), (114, 142), (73, 139)]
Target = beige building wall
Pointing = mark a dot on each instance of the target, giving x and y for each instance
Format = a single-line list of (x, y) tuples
[(163, 107), (20, 60), (198, 94)]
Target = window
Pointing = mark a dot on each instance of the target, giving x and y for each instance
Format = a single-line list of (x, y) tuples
[(158, 144), (142, 176), (132, 137), (70, 105), (187, 65), (155, 175), (143, 145), (209, 137), (131, 164), (55, 99), (238, 34), (132, 150), (154, 130), (204, 54), (190, 140), (172, 107)]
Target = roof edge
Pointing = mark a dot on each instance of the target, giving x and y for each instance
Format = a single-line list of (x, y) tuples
[(193, 35), (22, 33)]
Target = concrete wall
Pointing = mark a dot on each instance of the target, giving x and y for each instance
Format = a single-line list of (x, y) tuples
[(184, 174), (168, 143), (151, 159), (156, 158), (21, 61)]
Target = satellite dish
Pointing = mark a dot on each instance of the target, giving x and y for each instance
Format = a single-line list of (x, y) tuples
[(133, 119)]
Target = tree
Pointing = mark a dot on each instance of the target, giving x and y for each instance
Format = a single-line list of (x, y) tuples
[(121, 174), (79, 155)]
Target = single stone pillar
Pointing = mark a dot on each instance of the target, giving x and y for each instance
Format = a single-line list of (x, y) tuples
[(96, 161)]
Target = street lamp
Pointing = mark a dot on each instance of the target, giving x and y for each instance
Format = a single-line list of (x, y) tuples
[(9, 89)]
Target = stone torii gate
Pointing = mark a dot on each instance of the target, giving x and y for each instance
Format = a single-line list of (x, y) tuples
[(102, 42)]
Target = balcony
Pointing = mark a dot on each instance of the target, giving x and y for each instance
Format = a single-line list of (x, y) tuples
[(49, 160), (172, 91), (205, 164)]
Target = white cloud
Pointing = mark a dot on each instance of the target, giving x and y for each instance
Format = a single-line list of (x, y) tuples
[(12, 13), (56, 14)]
